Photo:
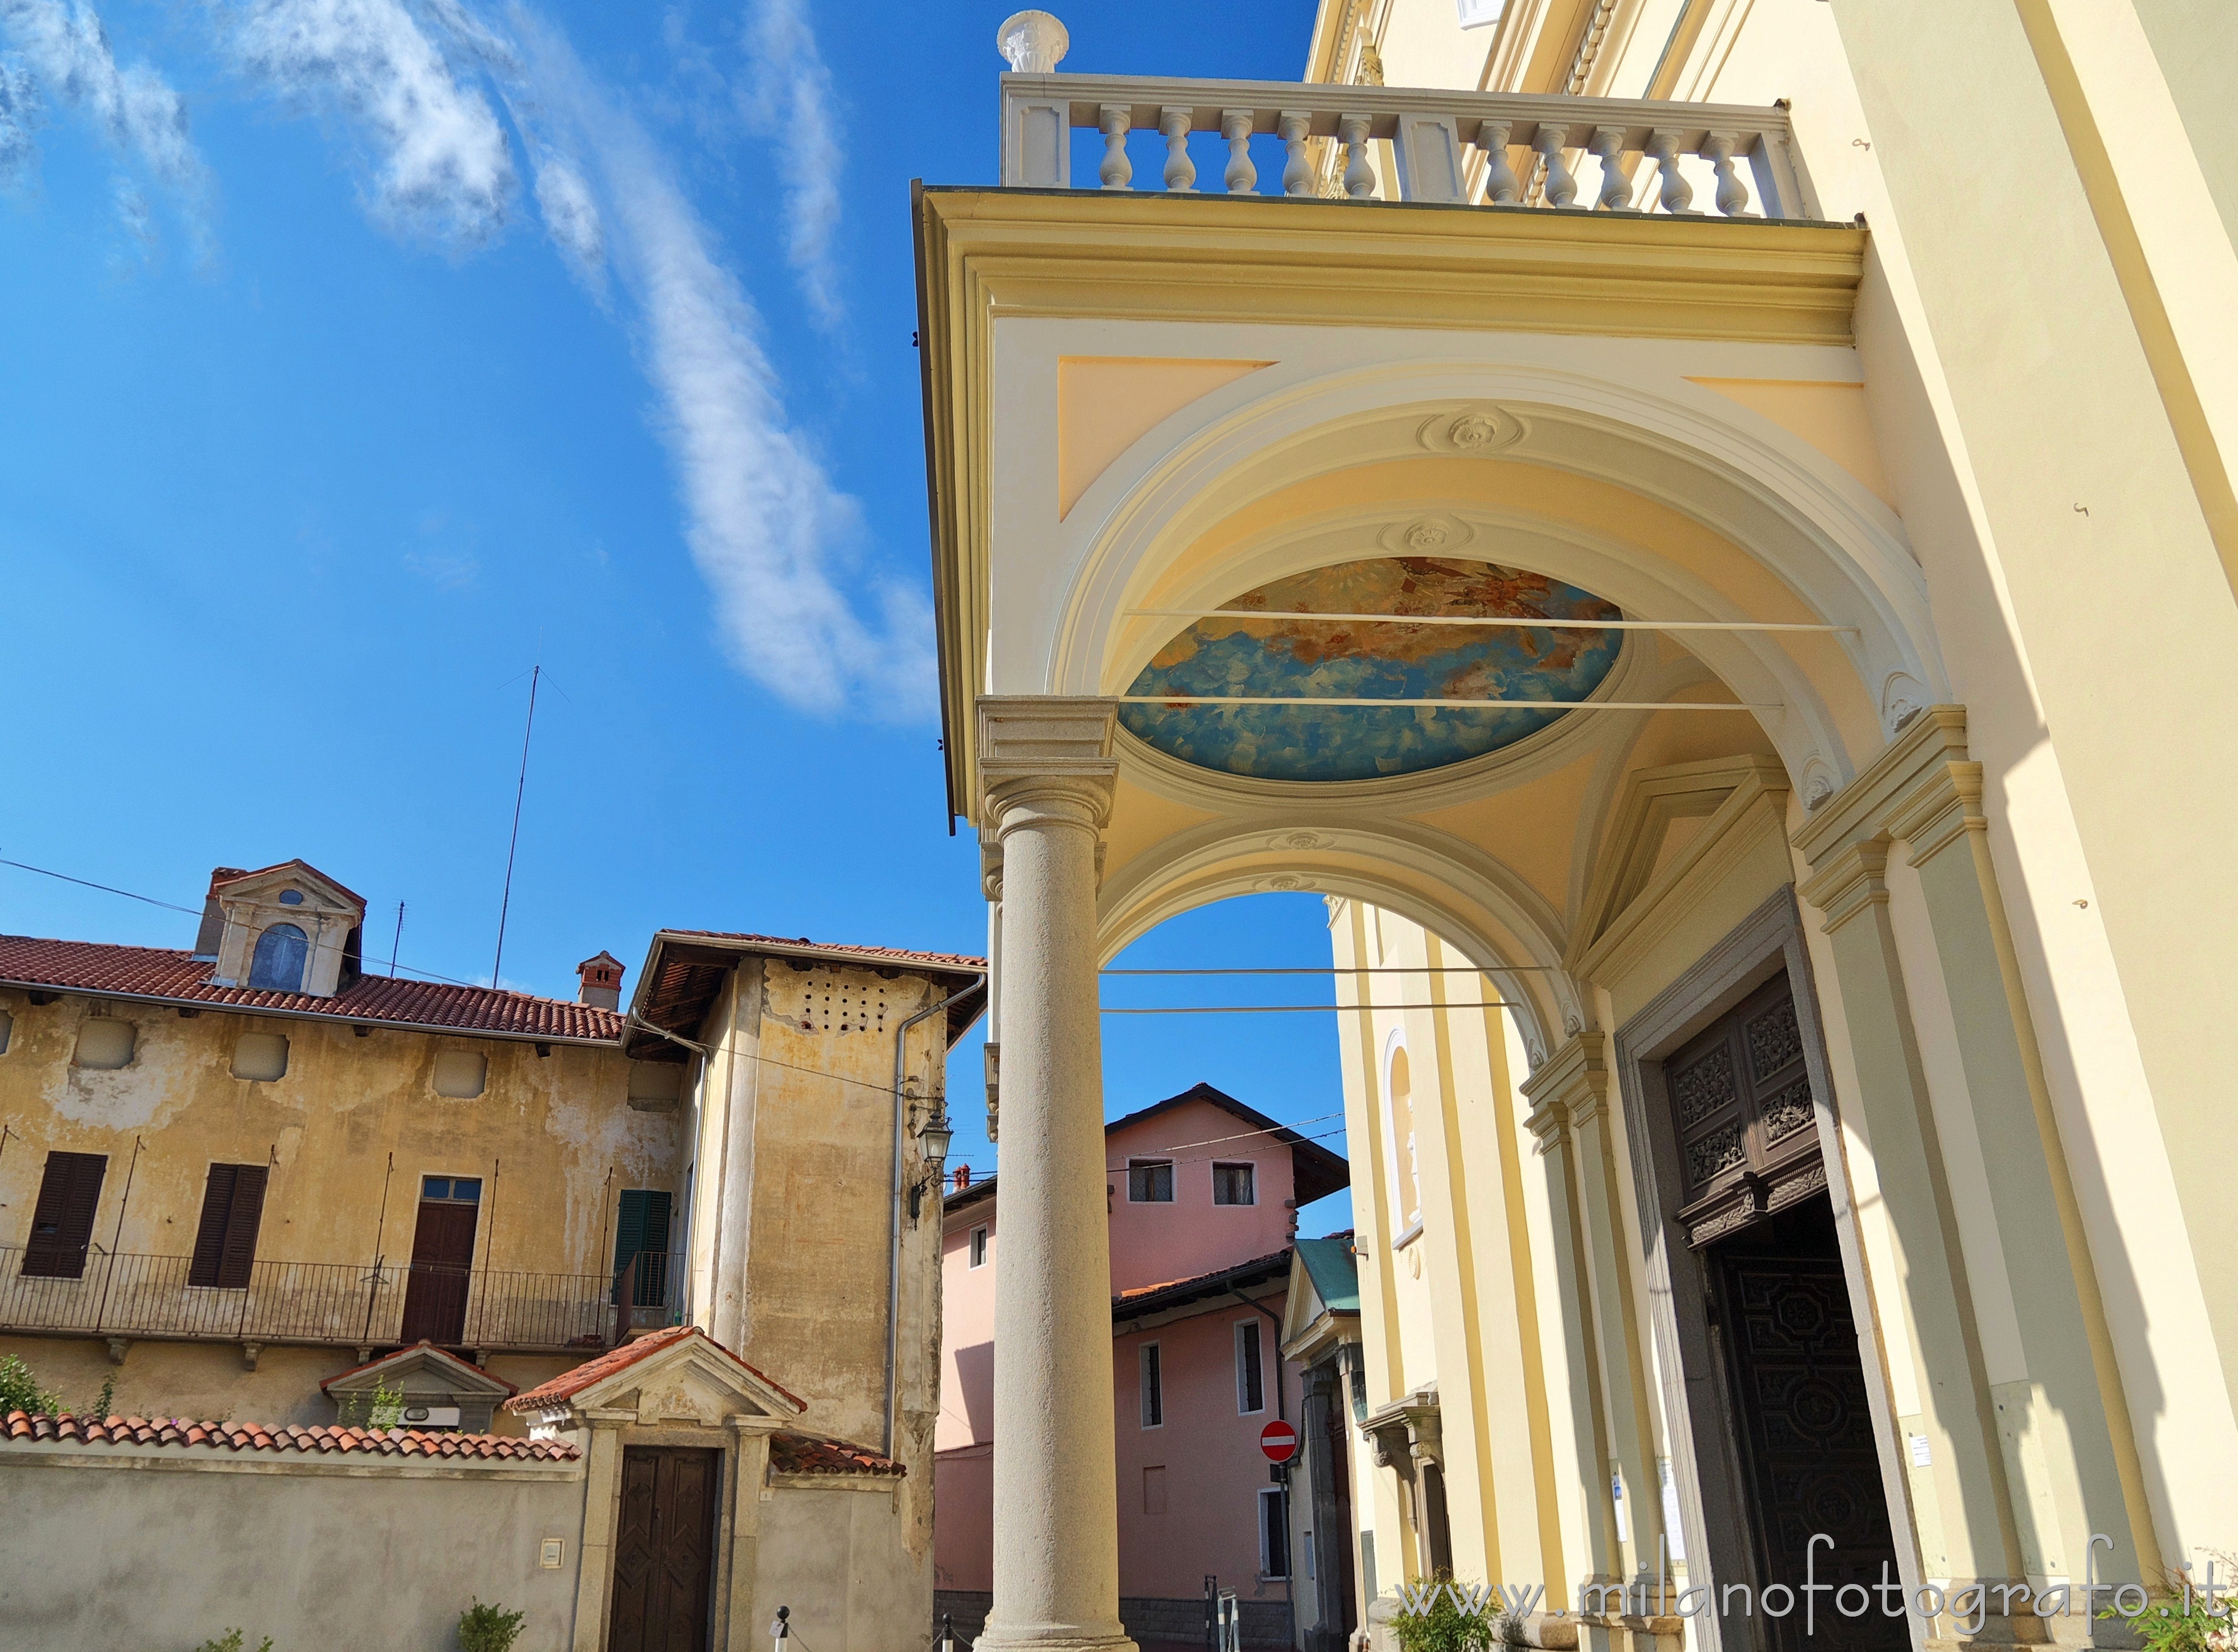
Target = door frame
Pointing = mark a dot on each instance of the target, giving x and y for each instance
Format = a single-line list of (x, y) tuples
[(1697, 1399)]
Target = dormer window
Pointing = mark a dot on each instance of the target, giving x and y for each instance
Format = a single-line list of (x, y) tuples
[(281, 952)]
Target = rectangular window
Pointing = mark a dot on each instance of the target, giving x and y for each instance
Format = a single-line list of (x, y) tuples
[(1234, 1184), (225, 1241), (641, 1242), (1150, 1181), (1250, 1384), (452, 1190), (979, 1247), (1274, 1535), (1154, 1490), (1153, 1387), (62, 1222)]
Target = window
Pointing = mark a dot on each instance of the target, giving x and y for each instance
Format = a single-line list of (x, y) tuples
[(641, 1238), (1150, 1181), (225, 1241), (1234, 1184), (1250, 1381), (281, 953), (1154, 1489), (460, 1074), (261, 1056), (1153, 1387), (1274, 1535), (291, 898), (979, 1247), (7, 1028), (105, 1043), (62, 1222), (451, 1189)]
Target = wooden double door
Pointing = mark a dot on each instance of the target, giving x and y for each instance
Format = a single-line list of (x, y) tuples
[(664, 1549)]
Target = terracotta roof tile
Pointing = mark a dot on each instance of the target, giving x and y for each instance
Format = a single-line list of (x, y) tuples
[(27, 1426), (176, 977), (810, 1454), (801, 943), (569, 1383)]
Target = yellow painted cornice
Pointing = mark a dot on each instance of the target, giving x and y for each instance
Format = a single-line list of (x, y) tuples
[(985, 255)]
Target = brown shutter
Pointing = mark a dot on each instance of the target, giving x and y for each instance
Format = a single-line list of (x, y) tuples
[(240, 1225), (225, 1240), (210, 1233), (62, 1221)]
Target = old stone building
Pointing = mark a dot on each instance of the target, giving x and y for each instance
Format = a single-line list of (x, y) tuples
[(253, 1182)]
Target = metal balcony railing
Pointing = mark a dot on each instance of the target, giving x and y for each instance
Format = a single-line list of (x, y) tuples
[(378, 1303), (1449, 147)]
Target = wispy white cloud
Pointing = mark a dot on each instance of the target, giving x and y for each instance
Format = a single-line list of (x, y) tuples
[(445, 166), (790, 99), (772, 536), (445, 573), (61, 52), (569, 214)]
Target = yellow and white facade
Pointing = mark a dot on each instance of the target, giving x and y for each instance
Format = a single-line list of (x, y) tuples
[(1868, 367)]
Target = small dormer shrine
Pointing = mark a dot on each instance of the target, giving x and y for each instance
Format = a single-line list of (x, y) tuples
[(288, 928)]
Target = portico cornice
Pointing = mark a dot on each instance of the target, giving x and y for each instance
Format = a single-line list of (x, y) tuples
[(1922, 788), (1570, 1088)]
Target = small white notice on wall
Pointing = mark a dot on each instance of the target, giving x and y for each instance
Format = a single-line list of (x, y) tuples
[(1479, 14), (551, 1554), (1921, 1457)]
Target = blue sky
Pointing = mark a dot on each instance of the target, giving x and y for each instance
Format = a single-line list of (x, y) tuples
[(363, 353)]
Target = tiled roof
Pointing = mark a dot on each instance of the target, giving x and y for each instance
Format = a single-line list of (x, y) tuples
[(807, 1454), (569, 1383), (254, 1436), (175, 977), (1144, 1300), (802, 944)]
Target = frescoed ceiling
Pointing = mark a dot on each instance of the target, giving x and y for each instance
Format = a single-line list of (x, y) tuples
[(1345, 659)]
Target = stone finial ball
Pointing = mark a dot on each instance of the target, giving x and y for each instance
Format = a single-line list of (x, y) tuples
[(1033, 43)]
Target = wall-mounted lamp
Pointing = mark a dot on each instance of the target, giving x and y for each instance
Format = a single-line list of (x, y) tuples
[(933, 1137)]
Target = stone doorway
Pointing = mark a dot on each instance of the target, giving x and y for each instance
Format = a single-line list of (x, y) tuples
[(664, 1549)]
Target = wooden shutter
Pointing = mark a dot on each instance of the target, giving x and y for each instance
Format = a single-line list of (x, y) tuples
[(641, 1230), (62, 1221), (225, 1240)]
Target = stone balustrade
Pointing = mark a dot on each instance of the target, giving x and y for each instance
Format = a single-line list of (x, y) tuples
[(1449, 147)]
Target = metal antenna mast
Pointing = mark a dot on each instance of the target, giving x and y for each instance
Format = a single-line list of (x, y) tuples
[(505, 905)]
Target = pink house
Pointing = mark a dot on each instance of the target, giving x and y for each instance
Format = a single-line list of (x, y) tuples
[(1203, 1194)]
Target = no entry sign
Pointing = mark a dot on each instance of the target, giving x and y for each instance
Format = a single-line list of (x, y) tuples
[(1279, 1441)]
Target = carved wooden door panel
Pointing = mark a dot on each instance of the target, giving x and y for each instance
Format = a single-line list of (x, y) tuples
[(1806, 1444), (664, 1551), (1741, 1101)]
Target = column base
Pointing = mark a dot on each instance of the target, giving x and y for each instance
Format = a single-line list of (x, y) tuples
[(1051, 1637)]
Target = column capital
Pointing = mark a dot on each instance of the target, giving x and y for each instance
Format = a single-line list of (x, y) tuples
[(1570, 1088), (1947, 804), (1848, 881), (1911, 773), (1047, 755)]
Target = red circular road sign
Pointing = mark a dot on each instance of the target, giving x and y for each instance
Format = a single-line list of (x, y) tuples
[(1279, 1441)]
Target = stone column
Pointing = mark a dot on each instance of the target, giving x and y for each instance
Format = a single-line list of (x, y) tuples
[(1047, 768)]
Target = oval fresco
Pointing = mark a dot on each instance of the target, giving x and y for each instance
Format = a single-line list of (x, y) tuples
[(1338, 658)]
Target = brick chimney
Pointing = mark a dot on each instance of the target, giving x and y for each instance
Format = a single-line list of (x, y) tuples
[(602, 982), (963, 1176)]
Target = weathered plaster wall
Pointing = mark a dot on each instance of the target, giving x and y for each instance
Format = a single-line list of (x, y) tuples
[(157, 1550), (835, 1557)]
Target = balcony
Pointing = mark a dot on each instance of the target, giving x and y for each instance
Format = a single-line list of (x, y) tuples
[(1394, 143), (381, 1304)]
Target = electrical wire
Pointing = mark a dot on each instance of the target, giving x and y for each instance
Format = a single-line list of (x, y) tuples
[(1357, 969), (1282, 1009)]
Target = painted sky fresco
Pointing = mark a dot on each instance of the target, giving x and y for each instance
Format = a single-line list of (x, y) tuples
[(1306, 657)]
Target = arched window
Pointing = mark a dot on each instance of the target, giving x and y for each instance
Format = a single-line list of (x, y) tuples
[(281, 953), (1406, 1183)]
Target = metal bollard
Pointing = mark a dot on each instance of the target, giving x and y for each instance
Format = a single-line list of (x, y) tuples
[(781, 1631)]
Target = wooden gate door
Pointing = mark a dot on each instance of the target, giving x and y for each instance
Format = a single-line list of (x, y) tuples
[(442, 1265), (1806, 1436), (664, 1551)]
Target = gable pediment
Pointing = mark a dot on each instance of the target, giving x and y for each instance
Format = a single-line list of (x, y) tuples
[(667, 1379)]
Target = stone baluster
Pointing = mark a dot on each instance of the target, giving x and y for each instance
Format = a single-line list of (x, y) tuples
[(1297, 174), (1608, 147), (1241, 177), (1732, 194), (1359, 176), (1676, 194), (1180, 171), (1561, 188), (1114, 121), (1500, 184)]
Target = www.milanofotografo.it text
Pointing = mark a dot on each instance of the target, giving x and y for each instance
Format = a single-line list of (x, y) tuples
[(1970, 1607)]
